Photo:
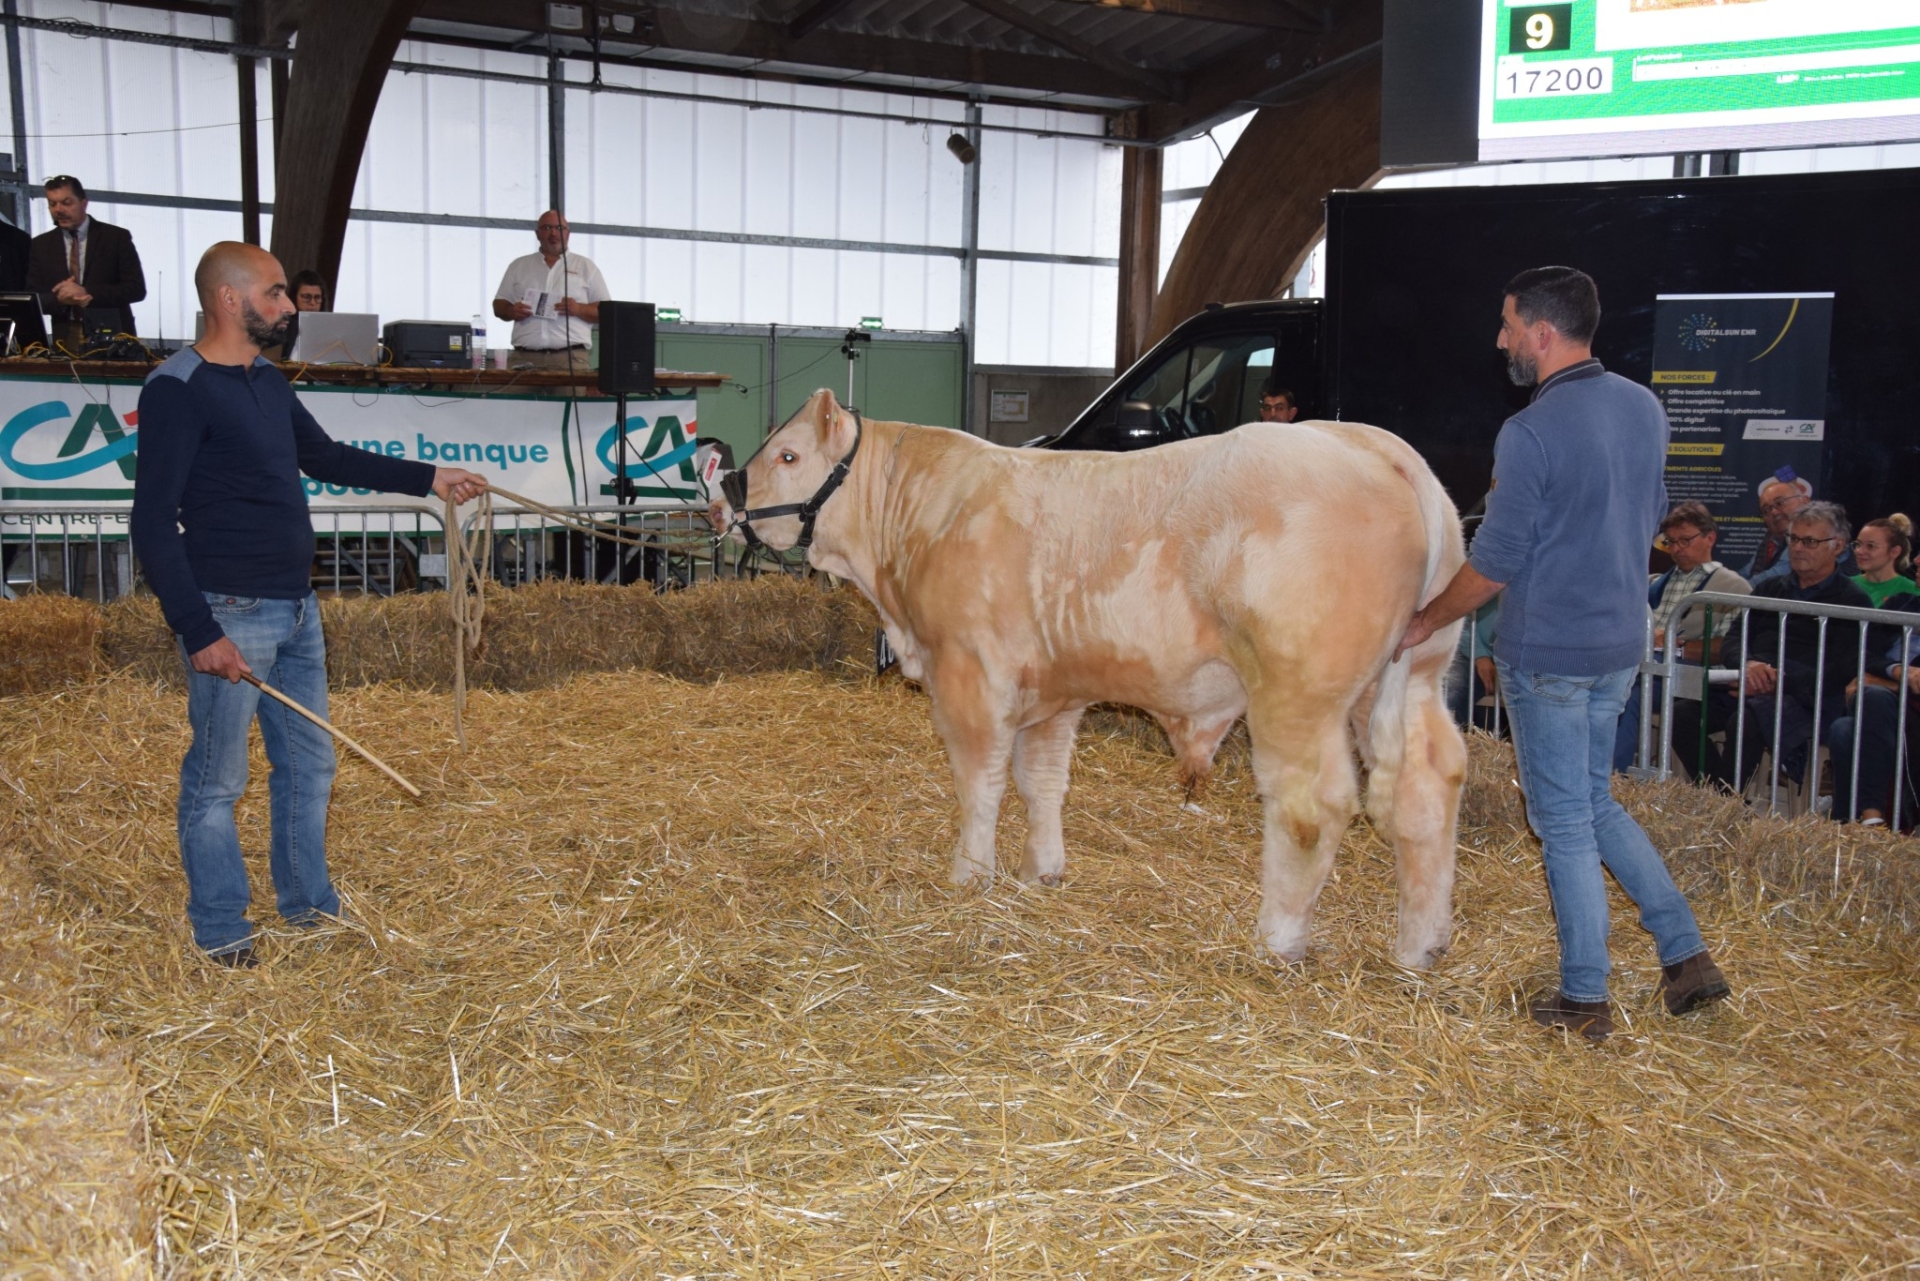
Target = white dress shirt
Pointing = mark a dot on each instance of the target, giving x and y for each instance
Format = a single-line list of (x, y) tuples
[(570, 276)]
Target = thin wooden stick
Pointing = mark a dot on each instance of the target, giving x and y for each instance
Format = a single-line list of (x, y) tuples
[(322, 722)]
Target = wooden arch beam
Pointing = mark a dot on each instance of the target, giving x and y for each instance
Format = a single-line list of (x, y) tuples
[(1264, 209), (339, 65)]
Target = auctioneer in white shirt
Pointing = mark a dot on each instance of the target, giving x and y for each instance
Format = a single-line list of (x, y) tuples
[(570, 276)]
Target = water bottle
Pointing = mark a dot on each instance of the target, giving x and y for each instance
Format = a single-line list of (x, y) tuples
[(477, 342)]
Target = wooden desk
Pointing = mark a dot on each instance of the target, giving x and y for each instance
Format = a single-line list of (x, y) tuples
[(583, 382)]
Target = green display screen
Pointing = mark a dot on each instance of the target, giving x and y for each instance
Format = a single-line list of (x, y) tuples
[(1641, 77)]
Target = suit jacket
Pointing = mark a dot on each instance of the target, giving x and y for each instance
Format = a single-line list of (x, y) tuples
[(113, 275), (14, 246)]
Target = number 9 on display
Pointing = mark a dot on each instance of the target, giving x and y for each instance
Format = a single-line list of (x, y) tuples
[(1540, 28)]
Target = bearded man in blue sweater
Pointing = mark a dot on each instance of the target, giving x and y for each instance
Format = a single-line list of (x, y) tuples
[(1578, 491), (221, 528)]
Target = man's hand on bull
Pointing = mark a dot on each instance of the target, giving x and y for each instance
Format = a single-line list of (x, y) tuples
[(1417, 632), (463, 486), (222, 658), (1467, 591)]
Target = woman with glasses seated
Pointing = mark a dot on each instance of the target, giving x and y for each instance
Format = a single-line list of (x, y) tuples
[(1780, 684)]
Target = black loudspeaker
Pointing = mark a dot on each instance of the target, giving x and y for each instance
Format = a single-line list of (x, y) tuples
[(626, 348)]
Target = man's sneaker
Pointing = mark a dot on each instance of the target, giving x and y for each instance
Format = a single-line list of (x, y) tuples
[(1694, 982), (1591, 1019), (235, 958)]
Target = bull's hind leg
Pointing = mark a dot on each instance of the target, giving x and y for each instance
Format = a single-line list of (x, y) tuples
[(1419, 806), (979, 739), (1042, 759), (1308, 790)]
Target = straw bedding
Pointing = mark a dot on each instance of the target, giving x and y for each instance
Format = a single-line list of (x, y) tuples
[(664, 980)]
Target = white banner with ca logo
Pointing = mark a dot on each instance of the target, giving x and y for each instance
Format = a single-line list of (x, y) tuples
[(64, 444)]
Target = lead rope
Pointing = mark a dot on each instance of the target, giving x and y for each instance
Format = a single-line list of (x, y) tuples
[(470, 568)]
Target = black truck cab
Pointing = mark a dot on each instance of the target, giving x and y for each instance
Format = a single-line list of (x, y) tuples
[(1205, 377)]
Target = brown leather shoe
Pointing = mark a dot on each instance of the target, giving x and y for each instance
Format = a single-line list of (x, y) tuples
[(1591, 1019), (1695, 982)]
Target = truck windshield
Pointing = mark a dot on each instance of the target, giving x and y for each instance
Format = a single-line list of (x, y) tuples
[(1211, 386)]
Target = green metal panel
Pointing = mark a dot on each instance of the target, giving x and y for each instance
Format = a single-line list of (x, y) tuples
[(737, 411), (915, 382), (807, 365)]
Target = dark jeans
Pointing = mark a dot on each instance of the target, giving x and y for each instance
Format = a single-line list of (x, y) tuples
[(1721, 708), (1463, 681), (1878, 715)]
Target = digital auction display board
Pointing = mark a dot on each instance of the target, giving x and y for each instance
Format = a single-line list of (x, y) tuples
[(1644, 77)]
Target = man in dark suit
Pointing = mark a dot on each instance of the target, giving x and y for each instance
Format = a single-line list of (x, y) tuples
[(83, 264), (14, 247)]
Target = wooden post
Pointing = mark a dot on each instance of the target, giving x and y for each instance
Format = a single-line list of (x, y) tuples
[(1139, 251), (338, 68), (1266, 207)]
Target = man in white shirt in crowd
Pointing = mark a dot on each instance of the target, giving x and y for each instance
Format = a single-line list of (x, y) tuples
[(552, 297)]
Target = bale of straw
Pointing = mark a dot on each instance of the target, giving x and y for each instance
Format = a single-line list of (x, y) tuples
[(135, 640), (535, 636), (46, 641), (769, 624)]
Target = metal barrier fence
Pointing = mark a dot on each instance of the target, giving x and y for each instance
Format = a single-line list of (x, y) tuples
[(84, 551), (1763, 724), (530, 547), (378, 550)]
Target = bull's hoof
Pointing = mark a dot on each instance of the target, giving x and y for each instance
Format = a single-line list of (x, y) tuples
[(970, 875), (1052, 880), (1421, 958), (1293, 954)]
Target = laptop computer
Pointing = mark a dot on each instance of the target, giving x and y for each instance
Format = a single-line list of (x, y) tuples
[(337, 338), (21, 324)]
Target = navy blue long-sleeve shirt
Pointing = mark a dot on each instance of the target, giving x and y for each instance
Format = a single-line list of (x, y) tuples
[(217, 501), (1579, 481)]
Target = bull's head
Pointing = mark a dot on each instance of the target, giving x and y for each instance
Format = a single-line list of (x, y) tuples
[(774, 498)]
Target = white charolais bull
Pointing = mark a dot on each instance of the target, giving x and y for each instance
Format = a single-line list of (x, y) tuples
[(1268, 572)]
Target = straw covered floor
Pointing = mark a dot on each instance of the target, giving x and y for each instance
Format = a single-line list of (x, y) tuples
[(664, 979)]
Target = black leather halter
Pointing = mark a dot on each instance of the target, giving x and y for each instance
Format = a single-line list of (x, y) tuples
[(733, 486)]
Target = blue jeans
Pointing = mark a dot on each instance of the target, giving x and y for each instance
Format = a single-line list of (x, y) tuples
[(1563, 735), (281, 641)]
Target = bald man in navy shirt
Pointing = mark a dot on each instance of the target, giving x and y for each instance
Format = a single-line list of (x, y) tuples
[(221, 527)]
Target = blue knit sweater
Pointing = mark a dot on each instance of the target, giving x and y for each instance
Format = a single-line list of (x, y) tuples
[(217, 501), (1578, 492)]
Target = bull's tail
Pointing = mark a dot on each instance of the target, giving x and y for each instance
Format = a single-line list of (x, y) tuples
[(1410, 692)]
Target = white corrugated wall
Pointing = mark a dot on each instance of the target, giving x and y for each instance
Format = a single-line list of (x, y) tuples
[(161, 121)]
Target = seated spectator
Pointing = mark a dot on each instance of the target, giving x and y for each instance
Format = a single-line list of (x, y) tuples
[(1876, 712), (1884, 551), (1277, 404), (1689, 533), (1782, 497), (1471, 677), (1788, 689)]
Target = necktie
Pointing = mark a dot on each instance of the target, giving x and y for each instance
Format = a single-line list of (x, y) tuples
[(73, 255)]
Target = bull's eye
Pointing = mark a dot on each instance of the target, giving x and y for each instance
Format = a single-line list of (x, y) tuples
[(786, 456)]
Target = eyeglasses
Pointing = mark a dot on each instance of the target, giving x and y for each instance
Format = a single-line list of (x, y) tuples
[(1682, 542), (550, 226), (1810, 543), (1781, 504)]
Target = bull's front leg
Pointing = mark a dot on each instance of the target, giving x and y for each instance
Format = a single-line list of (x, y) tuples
[(978, 731), (1042, 759)]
